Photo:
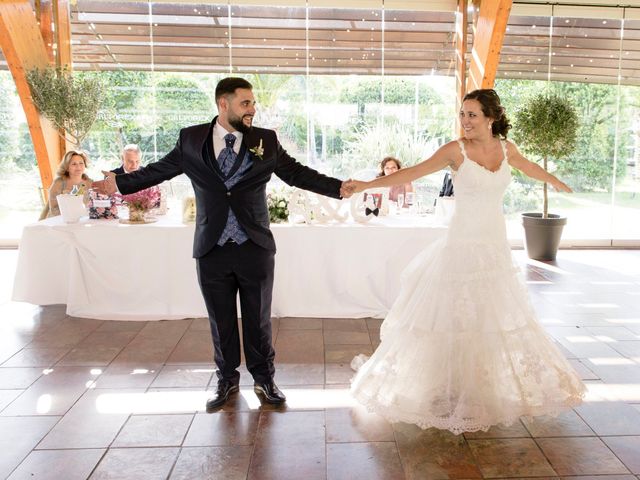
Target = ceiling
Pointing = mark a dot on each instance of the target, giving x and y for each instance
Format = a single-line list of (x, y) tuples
[(109, 35)]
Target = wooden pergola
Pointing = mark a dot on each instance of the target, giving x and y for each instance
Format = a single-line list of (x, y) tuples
[(475, 40)]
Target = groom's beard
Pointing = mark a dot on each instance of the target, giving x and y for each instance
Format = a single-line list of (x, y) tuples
[(239, 125)]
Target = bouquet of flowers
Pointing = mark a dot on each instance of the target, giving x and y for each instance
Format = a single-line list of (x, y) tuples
[(278, 206), (144, 199)]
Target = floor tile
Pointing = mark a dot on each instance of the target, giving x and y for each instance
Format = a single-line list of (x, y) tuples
[(346, 461), (610, 418), (223, 429), (356, 425), (289, 445), (299, 346), (627, 449), (434, 454), (198, 463), (184, 376), (345, 353), (153, 431), (513, 457), (86, 425), (567, 424), (136, 464), (338, 373), (19, 436), (580, 456), (18, 377), (53, 393), (289, 323), (58, 464), (8, 396)]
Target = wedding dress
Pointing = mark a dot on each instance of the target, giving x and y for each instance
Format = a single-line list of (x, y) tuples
[(461, 348)]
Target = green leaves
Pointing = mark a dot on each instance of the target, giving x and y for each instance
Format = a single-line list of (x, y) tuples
[(70, 102), (546, 125)]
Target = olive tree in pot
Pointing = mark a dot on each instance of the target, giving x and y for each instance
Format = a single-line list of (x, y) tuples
[(69, 101), (546, 127)]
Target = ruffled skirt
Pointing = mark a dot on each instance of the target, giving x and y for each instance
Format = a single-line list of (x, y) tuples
[(461, 348)]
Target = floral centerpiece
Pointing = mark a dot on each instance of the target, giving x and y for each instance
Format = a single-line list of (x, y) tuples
[(141, 202), (278, 205)]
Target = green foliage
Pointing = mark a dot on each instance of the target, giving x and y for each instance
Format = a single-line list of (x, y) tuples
[(278, 204), (371, 143), (70, 102), (396, 91), (546, 125), (590, 167)]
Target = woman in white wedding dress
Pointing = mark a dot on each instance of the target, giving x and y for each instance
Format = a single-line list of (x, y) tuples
[(461, 348)]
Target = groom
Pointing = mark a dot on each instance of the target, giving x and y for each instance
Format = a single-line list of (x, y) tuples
[(229, 163)]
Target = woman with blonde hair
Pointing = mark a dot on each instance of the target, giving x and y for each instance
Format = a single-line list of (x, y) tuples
[(71, 173)]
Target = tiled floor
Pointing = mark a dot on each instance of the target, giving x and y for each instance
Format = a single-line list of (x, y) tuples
[(125, 400)]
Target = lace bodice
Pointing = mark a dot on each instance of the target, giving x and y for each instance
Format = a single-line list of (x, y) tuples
[(478, 195)]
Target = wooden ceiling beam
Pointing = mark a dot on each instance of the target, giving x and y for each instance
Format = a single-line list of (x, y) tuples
[(461, 54), (62, 22), (24, 49), (490, 27)]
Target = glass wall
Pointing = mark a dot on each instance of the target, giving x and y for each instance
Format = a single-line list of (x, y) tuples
[(345, 87), (585, 60)]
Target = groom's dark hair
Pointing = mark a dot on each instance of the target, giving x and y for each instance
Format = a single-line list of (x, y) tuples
[(228, 86)]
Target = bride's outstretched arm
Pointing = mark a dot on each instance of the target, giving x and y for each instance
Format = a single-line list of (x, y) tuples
[(444, 157), (533, 170)]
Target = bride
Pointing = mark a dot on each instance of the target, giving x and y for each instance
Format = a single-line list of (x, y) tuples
[(461, 348)]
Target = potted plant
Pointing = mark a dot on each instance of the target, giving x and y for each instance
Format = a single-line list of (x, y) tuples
[(546, 127), (70, 102)]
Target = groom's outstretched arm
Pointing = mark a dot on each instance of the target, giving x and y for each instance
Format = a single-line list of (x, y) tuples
[(301, 176), (166, 168)]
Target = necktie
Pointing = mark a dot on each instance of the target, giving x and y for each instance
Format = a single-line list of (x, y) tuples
[(227, 156)]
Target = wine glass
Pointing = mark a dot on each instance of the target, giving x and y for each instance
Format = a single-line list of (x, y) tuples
[(409, 198), (400, 201)]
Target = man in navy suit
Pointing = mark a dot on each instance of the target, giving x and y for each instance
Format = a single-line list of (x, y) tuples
[(130, 159), (229, 163)]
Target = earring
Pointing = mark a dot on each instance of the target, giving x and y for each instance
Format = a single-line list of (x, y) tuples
[(489, 126)]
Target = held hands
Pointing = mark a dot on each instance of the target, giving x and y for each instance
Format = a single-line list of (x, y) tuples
[(349, 187), (106, 186), (346, 189)]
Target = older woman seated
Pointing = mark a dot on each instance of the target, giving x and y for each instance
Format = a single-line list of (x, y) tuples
[(70, 174), (390, 165)]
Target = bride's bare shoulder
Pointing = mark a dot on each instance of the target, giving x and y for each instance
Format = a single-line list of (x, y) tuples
[(451, 150)]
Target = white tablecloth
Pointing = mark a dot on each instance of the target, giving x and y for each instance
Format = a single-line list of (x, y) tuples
[(107, 270)]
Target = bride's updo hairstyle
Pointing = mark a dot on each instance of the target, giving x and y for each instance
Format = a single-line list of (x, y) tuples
[(490, 102)]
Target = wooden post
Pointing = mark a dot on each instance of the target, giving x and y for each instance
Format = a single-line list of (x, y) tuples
[(461, 62), (24, 49), (492, 19)]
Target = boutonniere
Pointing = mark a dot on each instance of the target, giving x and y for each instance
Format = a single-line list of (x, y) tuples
[(258, 151)]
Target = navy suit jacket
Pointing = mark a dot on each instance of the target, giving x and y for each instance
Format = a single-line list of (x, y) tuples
[(192, 156), (119, 170)]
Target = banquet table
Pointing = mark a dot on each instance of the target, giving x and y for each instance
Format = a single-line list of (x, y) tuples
[(104, 269)]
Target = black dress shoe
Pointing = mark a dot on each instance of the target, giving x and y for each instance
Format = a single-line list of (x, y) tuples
[(269, 392), (224, 390)]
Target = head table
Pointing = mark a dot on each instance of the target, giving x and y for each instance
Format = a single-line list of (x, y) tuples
[(107, 270)]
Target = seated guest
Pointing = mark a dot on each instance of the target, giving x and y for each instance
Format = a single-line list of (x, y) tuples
[(388, 166), (130, 159), (70, 174), (130, 163)]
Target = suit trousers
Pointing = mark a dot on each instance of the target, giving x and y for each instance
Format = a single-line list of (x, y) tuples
[(223, 273)]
